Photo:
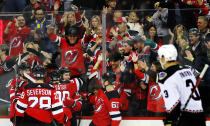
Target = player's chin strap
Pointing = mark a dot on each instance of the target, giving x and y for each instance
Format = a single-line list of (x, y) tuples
[(196, 85)]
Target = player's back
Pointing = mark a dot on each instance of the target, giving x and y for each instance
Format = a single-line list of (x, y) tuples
[(40, 102), (106, 108), (176, 85)]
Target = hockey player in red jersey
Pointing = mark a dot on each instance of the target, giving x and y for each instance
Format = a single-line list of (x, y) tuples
[(16, 87), (107, 104), (66, 89), (39, 103)]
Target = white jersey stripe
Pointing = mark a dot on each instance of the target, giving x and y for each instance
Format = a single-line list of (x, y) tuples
[(22, 104), (57, 111), (11, 95), (114, 112), (117, 118)]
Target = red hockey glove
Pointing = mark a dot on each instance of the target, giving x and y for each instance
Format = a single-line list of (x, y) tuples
[(69, 102)]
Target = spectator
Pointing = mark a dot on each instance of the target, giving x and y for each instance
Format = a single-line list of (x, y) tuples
[(49, 4), (155, 101), (32, 59), (71, 50), (28, 11), (15, 36), (39, 31), (72, 19), (181, 43), (151, 34), (95, 23), (197, 52), (144, 48), (207, 43), (202, 24), (95, 45), (202, 4), (109, 10), (121, 33), (15, 6), (134, 24), (5, 64), (160, 18)]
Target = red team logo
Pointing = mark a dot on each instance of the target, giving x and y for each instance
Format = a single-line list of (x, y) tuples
[(71, 56), (155, 92), (99, 105), (15, 42)]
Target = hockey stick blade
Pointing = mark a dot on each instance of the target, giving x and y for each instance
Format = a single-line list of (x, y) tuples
[(29, 77), (196, 85)]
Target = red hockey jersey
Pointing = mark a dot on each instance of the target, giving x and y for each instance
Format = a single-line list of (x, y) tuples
[(15, 38), (14, 97), (70, 89), (107, 105), (71, 55), (155, 102), (40, 102)]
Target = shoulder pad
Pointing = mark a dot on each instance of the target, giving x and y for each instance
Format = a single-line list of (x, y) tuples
[(112, 94), (30, 85), (48, 86), (162, 75)]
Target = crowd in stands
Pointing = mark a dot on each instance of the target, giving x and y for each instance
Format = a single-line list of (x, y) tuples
[(135, 29)]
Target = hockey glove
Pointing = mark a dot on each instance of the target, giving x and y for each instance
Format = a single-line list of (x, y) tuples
[(69, 102)]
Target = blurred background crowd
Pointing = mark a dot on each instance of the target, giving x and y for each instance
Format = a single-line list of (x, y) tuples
[(90, 37)]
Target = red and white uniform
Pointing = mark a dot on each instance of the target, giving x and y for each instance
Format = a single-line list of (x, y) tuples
[(71, 55), (70, 90), (107, 108), (14, 97), (40, 102)]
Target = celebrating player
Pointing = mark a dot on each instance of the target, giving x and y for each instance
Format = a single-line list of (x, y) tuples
[(177, 83), (107, 104), (66, 89), (17, 87), (39, 103)]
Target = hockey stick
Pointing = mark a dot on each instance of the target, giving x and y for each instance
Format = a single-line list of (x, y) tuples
[(4, 100), (196, 85), (29, 77)]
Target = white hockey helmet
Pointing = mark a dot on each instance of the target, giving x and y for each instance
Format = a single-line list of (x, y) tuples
[(168, 51)]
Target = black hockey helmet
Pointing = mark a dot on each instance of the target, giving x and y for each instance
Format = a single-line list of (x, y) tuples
[(71, 31), (63, 70), (39, 71), (109, 76), (23, 66), (55, 75)]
